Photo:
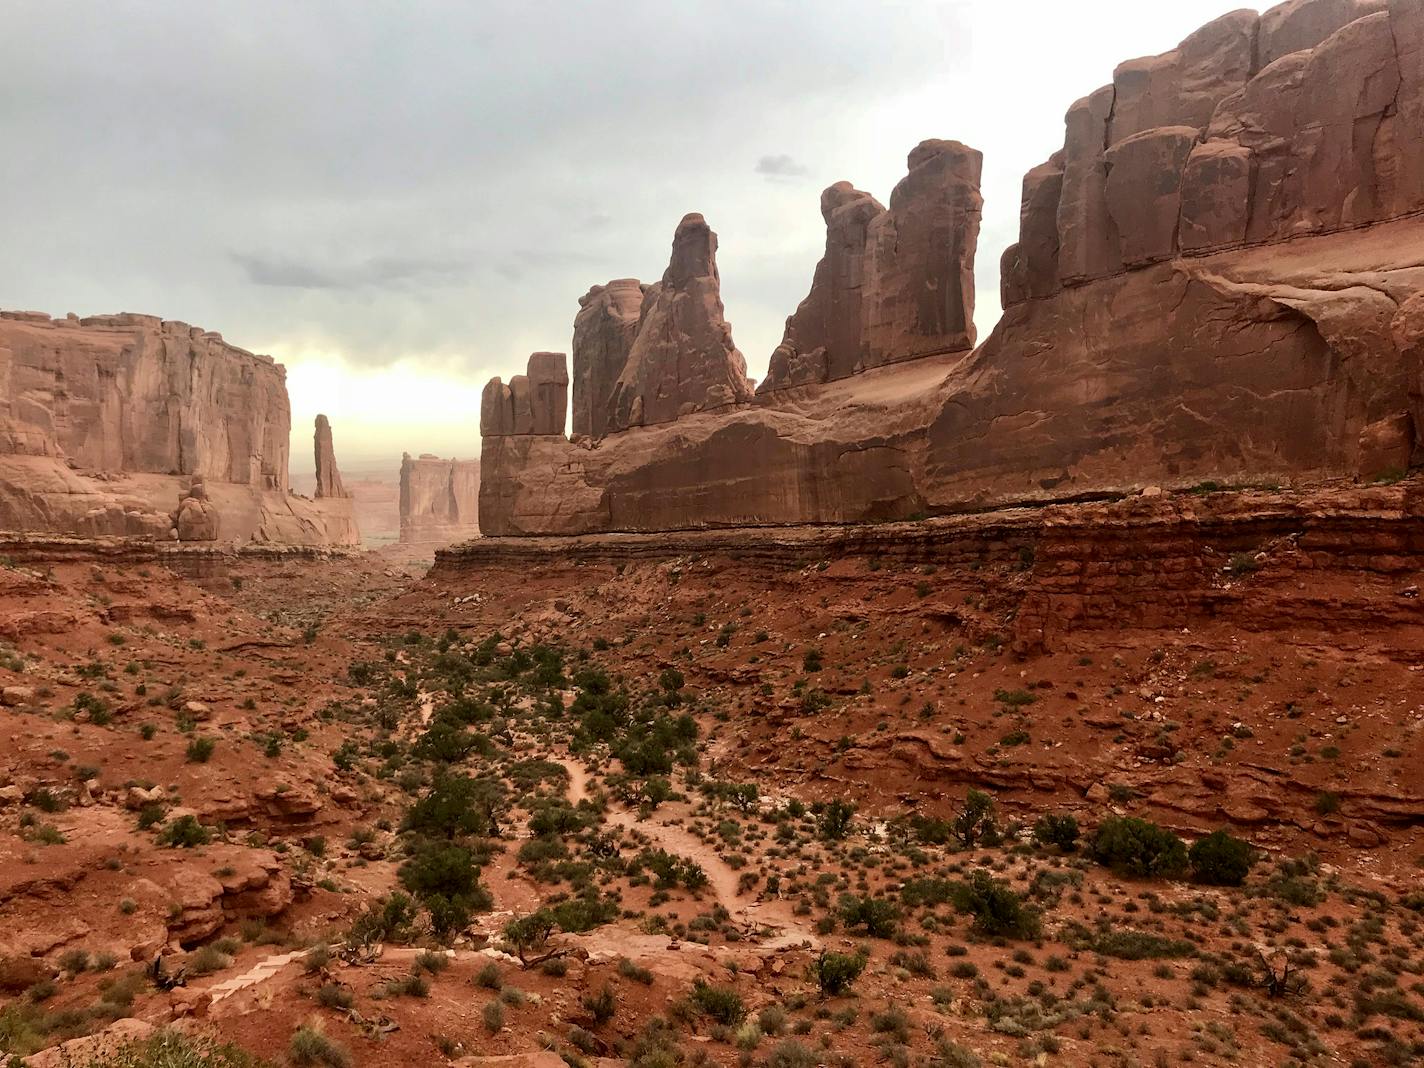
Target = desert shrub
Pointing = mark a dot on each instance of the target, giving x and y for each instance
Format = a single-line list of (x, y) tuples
[(184, 833), (1140, 847), (602, 1006), (877, 915), (310, 1047), (834, 819), (493, 1016), (835, 972), (721, 1003), (171, 1049), (628, 970), (1126, 943), (1221, 859), (200, 750), (387, 919), (1056, 830), (997, 910)]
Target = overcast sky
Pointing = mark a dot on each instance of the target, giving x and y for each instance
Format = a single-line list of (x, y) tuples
[(399, 200)]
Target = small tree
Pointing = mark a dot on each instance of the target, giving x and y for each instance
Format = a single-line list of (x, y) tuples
[(975, 821), (1221, 859), (998, 912), (835, 819)]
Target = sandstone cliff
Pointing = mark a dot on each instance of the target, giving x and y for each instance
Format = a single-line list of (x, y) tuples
[(895, 284), (106, 422), (439, 499), (1217, 279)]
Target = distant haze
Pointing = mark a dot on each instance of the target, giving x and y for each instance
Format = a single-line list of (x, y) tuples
[(399, 201)]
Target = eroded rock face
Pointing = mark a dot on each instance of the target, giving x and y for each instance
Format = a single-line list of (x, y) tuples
[(1217, 278), (328, 478), (894, 284), (533, 403), (439, 499), (683, 358), (104, 421), (604, 330)]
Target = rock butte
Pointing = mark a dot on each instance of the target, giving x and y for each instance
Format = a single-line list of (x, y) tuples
[(439, 499), (1216, 279), (108, 423)]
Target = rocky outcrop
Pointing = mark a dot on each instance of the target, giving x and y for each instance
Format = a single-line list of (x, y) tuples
[(536, 402), (196, 518), (106, 421), (439, 499), (328, 478), (894, 284), (604, 330), (683, 358), (1217, 280)]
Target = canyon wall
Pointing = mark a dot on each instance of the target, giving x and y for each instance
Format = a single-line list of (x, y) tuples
[(127, 424), (439, 499), (1217, 279)]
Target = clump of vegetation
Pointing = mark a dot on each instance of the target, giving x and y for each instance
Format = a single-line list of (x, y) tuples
[(835, 972), (1134, 846), (1221, 859)]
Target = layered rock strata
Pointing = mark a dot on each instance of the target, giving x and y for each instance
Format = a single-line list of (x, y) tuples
[(439, 499), (1217, 280), (105, 422)]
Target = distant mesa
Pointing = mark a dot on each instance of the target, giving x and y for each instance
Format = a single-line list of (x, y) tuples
[(439, 500), (106, 422), (1215, 280)]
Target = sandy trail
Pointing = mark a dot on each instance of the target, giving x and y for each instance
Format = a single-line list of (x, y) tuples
[(791, 931)]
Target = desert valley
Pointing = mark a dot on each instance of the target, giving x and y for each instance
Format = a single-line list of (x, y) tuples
[(1050, 698)]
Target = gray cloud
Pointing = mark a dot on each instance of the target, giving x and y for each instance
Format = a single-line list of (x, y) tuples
[(282, 272), (780, 166), (442, 180)]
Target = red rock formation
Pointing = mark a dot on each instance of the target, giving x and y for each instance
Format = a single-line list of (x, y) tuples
[(439, 499), (894, 284), (328, 478), (604, 330), (533, 403), (1217, 279), (104, 421), (683, 358)]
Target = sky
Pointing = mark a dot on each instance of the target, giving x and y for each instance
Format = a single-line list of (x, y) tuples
[(399, 200)]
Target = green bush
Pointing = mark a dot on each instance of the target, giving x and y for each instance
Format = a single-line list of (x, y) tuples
[(878, 915), (1056, 830), (1221, 859), (1135, 846), (310, 1047), (974, 823), (200, 750), (184, 833), (455, 805), (835, 972), (446, 880), (835, 819), (998, 912), (721, 1003)]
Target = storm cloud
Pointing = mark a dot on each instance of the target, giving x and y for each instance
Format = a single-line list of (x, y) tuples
[(432, 185)]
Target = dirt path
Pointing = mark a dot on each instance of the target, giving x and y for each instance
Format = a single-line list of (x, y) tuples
[(791, 931)]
